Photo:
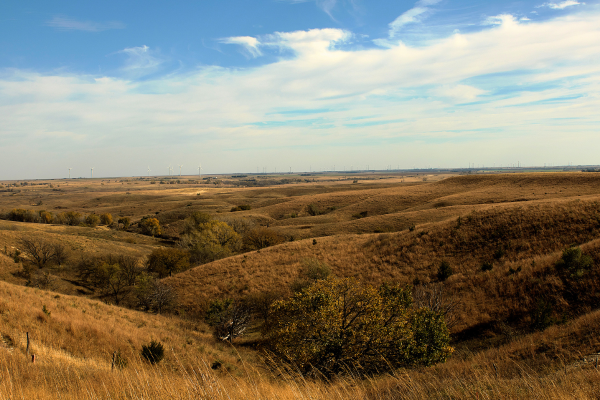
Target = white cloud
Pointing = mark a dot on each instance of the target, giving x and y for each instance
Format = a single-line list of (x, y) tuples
[(250, 44), (502, 19), (374, 105), (413, 15), (66, 23), (562, 5)]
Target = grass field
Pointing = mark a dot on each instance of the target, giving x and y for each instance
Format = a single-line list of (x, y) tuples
[(502, 235)]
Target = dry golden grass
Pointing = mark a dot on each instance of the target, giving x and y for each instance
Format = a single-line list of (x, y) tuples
[(544, 365), (532, 217)]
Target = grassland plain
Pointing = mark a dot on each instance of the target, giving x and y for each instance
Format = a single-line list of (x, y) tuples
[(380, 229)]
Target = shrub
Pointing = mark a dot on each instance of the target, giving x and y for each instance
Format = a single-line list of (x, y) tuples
[(92, 220), (106, 219), (541, 315), (124, 222), (336, 325), (153, 352), (150, 226), (487, 266), (312, 210), (259, 238), (362, 214), (574, 263), (444, 271)]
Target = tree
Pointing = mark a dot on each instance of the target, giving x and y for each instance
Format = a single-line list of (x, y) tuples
[(150, 226), (40, 251), (228, 318), (113, 281), (215, 240), (92, 220), (59, 253), (124, 222), (335, 325), (106, 219), (166, 261), (260, 238), (72, 218), (153, 295)]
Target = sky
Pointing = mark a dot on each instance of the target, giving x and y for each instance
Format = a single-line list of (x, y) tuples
[(240, 86)]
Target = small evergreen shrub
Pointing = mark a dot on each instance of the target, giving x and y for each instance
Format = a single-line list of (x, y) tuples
[(153, 352)]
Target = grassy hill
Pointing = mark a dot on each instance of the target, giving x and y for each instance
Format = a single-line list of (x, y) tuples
[(502, 236)]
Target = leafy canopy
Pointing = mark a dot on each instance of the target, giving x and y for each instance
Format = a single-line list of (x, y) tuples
[(338, 324)]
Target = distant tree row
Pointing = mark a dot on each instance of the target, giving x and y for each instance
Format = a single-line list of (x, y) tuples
[(72, 218)]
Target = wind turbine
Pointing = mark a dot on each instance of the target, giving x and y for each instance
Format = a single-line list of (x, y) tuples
[(148, 171), (170, 170), (69, 173), (200, 171), (180, 169), (92, 172)]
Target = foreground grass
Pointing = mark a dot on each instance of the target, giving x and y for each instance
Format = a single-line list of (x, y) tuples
[(19, 379)]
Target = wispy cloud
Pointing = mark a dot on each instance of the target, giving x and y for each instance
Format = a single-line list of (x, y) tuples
[(415, 14), (562, 5), (140, 60), (250, 44), (435, 103), (66, 23), (327, 6)]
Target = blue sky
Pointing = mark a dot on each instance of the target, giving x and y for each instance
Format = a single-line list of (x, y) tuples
[(237, 85)]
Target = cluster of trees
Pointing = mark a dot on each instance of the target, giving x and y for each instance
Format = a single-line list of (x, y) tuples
[(208, 239), (335, 325), (130, 280), (72, 218), (326, 325)]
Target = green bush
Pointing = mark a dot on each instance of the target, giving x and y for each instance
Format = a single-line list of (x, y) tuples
[(153, 352), (574, 263), (337, 326)]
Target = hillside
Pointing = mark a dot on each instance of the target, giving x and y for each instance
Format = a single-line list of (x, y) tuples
[(523, 236), (74, 339)]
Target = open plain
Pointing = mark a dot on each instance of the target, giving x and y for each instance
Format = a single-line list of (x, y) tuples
[(521, 327)]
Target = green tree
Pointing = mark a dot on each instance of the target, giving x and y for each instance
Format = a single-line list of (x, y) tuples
[(574, 263), (215, 240), (165, 261), (335, 325)]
